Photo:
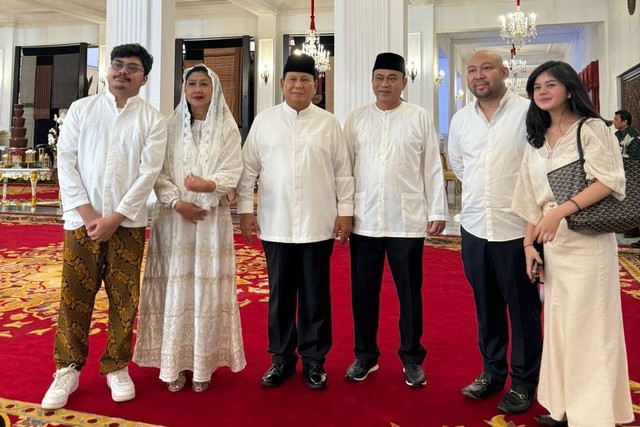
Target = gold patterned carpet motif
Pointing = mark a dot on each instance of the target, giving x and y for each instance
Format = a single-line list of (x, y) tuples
[(29, 294)]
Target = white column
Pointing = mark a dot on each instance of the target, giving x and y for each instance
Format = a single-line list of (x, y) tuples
[(152, 24), (267, 56), (7, 49), (363, 29)]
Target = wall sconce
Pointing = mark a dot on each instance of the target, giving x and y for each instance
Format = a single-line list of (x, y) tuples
[(265, 73), (460, 94), (412, 72), (440, 77)]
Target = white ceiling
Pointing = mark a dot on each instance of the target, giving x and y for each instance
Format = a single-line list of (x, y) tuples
[(551, 43), (29, 13)]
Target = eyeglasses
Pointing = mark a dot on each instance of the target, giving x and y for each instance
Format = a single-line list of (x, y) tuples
[(131, 67)]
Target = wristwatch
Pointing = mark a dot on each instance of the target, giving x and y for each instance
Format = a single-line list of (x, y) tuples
[(173, 203)]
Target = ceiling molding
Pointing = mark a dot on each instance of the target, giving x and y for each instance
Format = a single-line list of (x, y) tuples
[(493, 41), (257, 7), (74, 10), (196, 10)]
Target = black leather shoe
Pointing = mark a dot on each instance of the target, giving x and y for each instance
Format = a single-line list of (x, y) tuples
[(359, 369), (546, 420), (631, 234), (482, 387), (517, 400), (315, 375), (277, 374), (636, 245), (414, 375)]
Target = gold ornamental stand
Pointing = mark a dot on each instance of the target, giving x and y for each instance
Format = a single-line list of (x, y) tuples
[(33, 175)]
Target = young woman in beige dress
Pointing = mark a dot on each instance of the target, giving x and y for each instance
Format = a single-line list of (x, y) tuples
[(584, 379)]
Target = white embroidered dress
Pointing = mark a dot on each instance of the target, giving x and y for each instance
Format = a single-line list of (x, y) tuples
[(583, 376), (189, 317)]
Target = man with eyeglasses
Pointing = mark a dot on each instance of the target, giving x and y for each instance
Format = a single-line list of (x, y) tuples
[(110, 153)]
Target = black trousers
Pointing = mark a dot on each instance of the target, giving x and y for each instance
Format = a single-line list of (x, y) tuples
[(367, 264), (299, 277), (498, 277)]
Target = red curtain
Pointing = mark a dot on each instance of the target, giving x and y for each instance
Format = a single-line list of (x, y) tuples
[(590, 76)]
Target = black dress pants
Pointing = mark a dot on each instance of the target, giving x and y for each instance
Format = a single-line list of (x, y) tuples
[(498, 277), (367, 263), (299, 277)]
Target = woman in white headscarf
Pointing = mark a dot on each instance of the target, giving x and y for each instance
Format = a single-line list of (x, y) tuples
[(189, 318)]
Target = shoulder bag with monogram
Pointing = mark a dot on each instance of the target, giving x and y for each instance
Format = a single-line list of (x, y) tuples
[(609, 215)]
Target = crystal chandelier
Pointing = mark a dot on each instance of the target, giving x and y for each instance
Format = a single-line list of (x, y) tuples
[(514, 84), (517, 67), (517, 28), (517, 72), (313, 48)]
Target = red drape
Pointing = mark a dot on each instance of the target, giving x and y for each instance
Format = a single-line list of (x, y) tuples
[(590, 76)]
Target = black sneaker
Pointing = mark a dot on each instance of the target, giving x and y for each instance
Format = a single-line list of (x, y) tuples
[(313, 371), (517, 400), (482, 387), (359, 370), (277, 374), (414, 375)]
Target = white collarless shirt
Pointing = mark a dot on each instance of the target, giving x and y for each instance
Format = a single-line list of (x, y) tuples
[(486, 156), (397, 170), (110, 158), (302, 168)]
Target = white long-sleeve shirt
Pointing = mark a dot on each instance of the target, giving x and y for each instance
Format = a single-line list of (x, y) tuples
[(109, 158), (397, 171), (486, 156), (303, 172)]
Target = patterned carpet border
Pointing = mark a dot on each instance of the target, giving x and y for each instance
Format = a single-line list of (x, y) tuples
[(29, 219), (29, 414)]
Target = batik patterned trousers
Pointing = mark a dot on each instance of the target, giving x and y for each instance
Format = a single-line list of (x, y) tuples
[(86, 265)]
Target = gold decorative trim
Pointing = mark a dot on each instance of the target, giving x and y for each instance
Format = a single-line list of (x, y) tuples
[(33, 415)]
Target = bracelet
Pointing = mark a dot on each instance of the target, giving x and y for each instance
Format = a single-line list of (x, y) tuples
[(575, 203), (173, 203), (526, 246)]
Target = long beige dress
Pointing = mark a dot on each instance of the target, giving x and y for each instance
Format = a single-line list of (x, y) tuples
[(584, 376), (189, 316)]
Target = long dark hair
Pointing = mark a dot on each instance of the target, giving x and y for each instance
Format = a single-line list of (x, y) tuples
[(538, 120), (196, 69)]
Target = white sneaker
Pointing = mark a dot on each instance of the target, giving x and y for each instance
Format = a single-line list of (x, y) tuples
[(65, 382), (122, 388)]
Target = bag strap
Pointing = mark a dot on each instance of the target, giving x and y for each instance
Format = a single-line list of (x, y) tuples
[(580, 152)]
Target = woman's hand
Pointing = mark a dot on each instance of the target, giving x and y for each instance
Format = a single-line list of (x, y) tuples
[(547, 228), (198, 184), (533, 260), (190, 211)]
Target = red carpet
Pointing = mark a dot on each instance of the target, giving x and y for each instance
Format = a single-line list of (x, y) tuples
[(29, 279)]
